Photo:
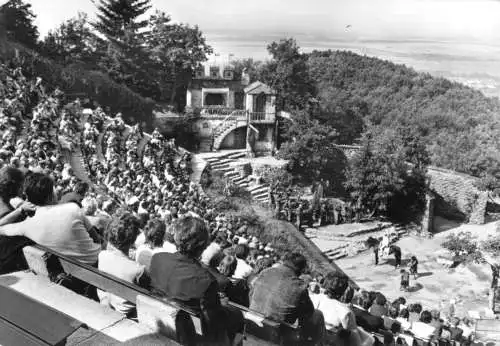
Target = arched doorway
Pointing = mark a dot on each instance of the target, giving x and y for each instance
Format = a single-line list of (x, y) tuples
[(236, 139)]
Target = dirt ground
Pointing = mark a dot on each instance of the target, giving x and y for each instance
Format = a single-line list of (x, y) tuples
[(436, 285)]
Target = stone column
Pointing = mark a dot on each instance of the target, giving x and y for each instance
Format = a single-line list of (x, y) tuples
[(428, 217)]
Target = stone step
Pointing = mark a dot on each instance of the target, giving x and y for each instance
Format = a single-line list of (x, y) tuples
[(237, 155), (240, 180), (257, 187), (261, 194), (223, 170), (231, 174), (260, 198), (221, 162), (259, 190), (211, 160), (216, 165), (339, 256)]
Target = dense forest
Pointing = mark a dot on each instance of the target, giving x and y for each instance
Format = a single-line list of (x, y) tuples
[(354, 95), (459, 125)]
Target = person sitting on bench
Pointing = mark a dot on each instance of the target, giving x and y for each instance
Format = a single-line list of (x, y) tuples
[(181, 277), (121, 234), (62, 228)]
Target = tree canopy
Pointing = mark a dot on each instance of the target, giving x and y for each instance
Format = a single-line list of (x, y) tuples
[(118, 19), (287, 73), (312, 153), (388, 177), (18, 22)]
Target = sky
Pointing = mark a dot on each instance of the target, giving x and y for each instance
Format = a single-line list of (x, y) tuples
[(229, 24), (456, 39)]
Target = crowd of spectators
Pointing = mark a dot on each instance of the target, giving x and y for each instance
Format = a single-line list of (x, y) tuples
[(144, 222)]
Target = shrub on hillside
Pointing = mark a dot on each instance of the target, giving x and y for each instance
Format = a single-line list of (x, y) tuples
[(75, 82), (463, 246)]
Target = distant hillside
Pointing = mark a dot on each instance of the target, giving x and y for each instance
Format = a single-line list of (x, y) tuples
[(460, 126)]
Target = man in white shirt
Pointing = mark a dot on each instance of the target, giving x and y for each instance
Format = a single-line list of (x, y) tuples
[(62, 228)]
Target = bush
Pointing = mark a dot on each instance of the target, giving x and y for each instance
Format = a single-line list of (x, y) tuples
[(80, 83), (492, 244), (463, 246)]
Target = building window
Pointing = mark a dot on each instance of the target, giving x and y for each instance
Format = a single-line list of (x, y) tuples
[(205, 125), (214, 72), (228, 74), (215, 99)]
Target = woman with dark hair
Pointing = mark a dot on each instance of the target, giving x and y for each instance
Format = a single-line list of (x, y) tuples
[(121, 234), (11, 185), (154, 234)]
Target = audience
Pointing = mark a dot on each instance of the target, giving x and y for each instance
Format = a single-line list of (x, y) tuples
[(56, 210)]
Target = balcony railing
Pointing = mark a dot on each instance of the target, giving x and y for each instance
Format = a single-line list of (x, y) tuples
[(216, 111), (262, 117), (237, 114)]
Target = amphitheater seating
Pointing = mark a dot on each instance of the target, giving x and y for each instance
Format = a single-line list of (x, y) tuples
[(181, 323), (166, 317), (488, 328), (20, 318)]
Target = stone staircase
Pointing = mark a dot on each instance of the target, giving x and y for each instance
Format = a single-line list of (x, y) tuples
[(224, 164), (78, 164), (76, 160)]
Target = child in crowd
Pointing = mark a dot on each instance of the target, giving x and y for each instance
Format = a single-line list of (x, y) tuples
[(413, 267), (405, 280)]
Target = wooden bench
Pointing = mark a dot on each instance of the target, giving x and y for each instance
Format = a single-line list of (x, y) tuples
[(488, 329), (160, 314), (25, 321)]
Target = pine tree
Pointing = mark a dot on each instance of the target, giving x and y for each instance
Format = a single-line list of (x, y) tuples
[(118, 19), (127, 59), (18, 23)]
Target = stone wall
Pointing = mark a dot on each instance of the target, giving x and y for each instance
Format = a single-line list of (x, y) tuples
[(456, 196)]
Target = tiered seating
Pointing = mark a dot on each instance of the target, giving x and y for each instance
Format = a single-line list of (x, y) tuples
[(160, 315)]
